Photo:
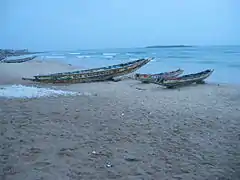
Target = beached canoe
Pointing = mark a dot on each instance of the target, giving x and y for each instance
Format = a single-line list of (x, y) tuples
[(19, 60), (186, 79), (151, 78), (91, 75)]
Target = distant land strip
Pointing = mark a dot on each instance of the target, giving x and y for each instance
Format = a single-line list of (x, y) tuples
[(170, 46)]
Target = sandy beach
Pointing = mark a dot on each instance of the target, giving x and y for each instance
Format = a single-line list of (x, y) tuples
[(13, 73), (119, 130)]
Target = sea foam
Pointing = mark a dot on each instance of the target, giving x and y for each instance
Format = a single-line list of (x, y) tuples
[(83, 56), (20, 91), (54, 57), (110, 54), (74, 53)]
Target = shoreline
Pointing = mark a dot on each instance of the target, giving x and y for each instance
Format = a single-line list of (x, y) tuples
[(13, 73), (12, 77)]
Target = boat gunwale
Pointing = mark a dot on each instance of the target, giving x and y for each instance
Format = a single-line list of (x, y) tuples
[(91, 71), (95, 77), (179, 80), (160, 74), (86, 71)]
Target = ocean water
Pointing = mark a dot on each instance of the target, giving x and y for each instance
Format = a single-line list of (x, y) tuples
[(225, 60)]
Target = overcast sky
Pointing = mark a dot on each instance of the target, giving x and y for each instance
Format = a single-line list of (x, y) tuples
[(83, 24)]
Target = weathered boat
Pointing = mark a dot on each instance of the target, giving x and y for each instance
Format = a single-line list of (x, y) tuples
[(186, 79), (151, 78), (91, 75), (20, 60)]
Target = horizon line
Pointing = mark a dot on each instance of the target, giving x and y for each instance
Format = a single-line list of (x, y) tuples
[(142, 47)]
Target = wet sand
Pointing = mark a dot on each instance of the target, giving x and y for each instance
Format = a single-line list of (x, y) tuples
[(123, 130)]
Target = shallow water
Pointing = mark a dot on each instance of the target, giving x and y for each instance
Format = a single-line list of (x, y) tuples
[(223, 59)]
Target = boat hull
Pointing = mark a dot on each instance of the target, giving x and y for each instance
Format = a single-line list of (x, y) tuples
[(18, 60), (91, 75), (151, 78), (186, 79)]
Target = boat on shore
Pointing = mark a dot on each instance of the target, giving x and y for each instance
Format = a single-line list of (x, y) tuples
[(184, 80), (151, 78), (11, 53), (19, 60), (91, 75)]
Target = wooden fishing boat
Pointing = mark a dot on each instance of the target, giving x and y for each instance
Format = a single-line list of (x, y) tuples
[(150, 78), (20, 60), (91, 75), (186, 79)]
